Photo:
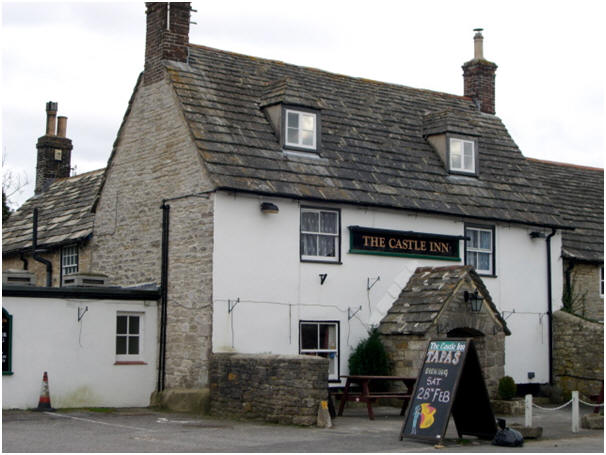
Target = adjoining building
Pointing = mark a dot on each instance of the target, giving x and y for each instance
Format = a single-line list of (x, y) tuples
[(578, 191), (49, 234)]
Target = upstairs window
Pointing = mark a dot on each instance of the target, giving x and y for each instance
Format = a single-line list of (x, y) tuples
[(69, 260), (462, 156), (300, 129), (479, 249), (320, 235)]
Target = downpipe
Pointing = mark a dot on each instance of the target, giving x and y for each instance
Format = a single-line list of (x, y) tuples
[(163, 297), (549, 305), (36, 256)]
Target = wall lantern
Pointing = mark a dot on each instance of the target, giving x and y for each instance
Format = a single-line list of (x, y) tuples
[(475, 300), (269, 207)]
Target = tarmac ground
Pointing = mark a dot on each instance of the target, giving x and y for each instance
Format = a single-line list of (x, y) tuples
[(148, 430)]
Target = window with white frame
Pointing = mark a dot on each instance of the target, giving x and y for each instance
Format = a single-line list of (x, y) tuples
[(69, 259), (462, 155), (129, 337), (320, 238), (321, 338), (479, 249), (300, 129)]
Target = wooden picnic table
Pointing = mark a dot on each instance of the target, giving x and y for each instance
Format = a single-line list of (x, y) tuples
[(366, 395)]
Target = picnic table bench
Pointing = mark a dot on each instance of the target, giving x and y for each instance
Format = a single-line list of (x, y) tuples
[(368, 396)]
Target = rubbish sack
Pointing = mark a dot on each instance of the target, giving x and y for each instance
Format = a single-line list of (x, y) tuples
[(508, 437)]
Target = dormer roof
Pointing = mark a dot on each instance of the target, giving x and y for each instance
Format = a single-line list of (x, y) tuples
[(288, 91)]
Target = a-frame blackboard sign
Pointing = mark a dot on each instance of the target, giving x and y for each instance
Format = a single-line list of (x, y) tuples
[(450, 382)]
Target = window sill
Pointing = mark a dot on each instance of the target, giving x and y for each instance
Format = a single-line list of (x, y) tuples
[(130, 362), (7, 373), (487, 275), (319, 261)]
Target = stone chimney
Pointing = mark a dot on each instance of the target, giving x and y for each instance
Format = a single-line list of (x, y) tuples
[(479, 76), (54, 150), (167, 37)]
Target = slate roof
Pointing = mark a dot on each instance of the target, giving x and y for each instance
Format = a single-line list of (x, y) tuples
[(428, 290), (373, 151), (64, 214), (578, 191)]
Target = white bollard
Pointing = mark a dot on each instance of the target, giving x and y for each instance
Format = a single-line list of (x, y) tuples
[(575, 411), (528, 410)]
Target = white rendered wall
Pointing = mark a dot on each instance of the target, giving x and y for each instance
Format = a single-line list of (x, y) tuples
[(78, 356), (256, 260)]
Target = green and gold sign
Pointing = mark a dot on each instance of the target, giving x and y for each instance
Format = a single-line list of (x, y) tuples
[(365, 240)]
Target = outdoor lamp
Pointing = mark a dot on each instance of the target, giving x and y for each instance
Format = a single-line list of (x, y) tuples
[(475, 300), (269, 207)]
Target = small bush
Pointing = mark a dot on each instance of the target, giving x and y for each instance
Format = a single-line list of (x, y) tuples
[(370, 358), (507, 388)]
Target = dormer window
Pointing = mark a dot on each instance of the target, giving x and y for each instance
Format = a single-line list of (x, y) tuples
[(462, 156), (300, 129)]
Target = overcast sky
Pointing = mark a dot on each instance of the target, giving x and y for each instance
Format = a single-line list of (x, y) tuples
[(87, 55)]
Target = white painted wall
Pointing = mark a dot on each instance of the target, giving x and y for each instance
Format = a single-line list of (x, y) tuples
[(78, 356), (256, 259)]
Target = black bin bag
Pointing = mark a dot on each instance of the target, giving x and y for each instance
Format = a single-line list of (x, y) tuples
[(507, 437)]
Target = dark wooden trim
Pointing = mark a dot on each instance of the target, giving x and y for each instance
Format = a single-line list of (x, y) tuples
[(81, 293)]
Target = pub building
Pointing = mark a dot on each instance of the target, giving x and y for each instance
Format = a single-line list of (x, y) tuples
[(288, 210)]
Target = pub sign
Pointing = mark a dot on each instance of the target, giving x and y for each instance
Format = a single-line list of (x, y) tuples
[(365, 240)]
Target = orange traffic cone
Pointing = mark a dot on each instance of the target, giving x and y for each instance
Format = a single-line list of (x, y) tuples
[(44, 403)]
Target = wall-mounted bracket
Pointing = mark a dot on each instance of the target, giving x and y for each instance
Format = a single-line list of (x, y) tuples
[(369, 285), (350, 315), (323, 277), (231, 304), (81, 312)]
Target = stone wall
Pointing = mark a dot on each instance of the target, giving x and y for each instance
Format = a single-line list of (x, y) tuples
[(274, 388), (39, 269), (585, 282), (155, 159), (578, 353)]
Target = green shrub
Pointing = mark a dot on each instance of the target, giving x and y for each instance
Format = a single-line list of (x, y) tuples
[(507, 388), (370, 358)]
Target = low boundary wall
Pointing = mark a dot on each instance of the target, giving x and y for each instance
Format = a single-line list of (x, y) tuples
[(578, 353), (283, 389)]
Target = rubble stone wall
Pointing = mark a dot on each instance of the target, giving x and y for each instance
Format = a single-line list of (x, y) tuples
[(155, 160), (578, 353), (284, 389), (585, 281)]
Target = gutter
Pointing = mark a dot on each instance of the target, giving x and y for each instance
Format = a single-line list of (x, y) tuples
[(95, 293), (392, 207), (36, 256)]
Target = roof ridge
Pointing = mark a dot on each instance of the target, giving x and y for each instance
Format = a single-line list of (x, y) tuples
[(559, 163), (62, 179), (330, 73)]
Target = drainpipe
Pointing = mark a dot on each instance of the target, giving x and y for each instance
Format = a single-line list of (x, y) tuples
[(549, 305), (163, 296), (49, 265)]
